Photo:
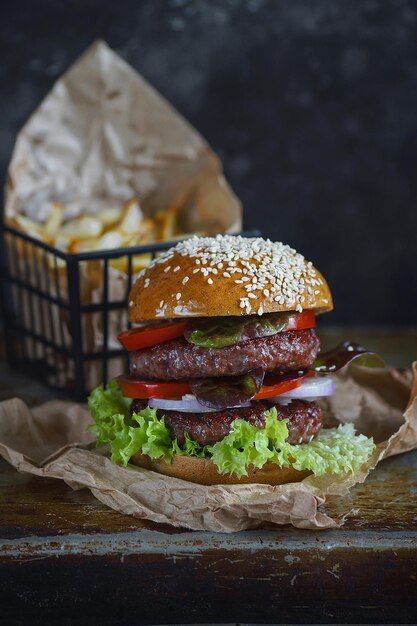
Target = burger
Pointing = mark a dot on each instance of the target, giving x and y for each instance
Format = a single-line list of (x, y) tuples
[(226, 376)]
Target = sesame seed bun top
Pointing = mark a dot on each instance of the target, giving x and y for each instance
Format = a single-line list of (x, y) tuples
[(227, 275)]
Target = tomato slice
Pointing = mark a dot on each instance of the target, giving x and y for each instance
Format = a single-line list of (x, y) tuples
[(302, 321), (146, 389), (269, 391), (138, 338)]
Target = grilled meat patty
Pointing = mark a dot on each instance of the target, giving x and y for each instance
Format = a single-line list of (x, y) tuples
[(179, 360), (305, 420)]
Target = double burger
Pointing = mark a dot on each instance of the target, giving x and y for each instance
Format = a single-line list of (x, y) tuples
[(226, 376)]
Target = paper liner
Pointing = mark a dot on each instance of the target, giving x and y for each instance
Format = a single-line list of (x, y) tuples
[(52, 441), (101, 136)]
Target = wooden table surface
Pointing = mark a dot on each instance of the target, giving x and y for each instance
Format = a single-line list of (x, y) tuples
[(65, 558)]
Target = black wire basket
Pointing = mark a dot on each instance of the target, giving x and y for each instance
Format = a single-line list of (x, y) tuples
[(52, 299)]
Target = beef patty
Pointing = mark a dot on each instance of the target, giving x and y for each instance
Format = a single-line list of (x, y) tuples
[(179, 360), (305, 420)]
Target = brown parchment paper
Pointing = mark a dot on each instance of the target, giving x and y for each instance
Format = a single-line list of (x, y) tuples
[(101, 136), (52, 441)]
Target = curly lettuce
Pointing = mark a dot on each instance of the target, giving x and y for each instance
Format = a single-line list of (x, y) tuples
[(335, 451)]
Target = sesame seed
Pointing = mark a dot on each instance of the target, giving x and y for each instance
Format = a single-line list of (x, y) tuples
[(176, 268), (210, 281), (178, 296), (146, 283), (131, 303), (251, 295), (260, 310), (167, 268), (185, 280), (161, 304)]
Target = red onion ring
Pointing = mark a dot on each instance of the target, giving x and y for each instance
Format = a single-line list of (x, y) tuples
[(188, 404)]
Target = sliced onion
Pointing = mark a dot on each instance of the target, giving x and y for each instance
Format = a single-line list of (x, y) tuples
[(310, 389), (188, 404)]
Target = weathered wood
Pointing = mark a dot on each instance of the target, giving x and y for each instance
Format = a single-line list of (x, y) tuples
[(64, 555), (32, 506)]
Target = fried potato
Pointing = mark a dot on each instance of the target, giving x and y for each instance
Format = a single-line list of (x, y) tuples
[(54, 221), (139, 262), (110, 240), (168, 221), (84, 227), (109, 217), (31, 228), (132, 217), (110, 228)]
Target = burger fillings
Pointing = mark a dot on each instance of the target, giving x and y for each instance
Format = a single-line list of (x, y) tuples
[(225, 370)]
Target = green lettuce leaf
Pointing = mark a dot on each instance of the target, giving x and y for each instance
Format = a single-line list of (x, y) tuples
[(105, 404), (335, 451)]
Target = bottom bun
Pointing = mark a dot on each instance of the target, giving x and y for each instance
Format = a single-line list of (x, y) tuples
[(204, 472)]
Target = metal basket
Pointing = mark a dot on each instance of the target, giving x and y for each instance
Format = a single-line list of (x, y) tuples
[(45, 315)]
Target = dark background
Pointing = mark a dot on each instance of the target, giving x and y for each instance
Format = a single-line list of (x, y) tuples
[(310, 104)]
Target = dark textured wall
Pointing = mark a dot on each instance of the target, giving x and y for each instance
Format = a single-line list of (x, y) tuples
[(311, 105)]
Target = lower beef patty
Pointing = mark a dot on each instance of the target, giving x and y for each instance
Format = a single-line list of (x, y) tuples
[(304, 421), (178, 360)]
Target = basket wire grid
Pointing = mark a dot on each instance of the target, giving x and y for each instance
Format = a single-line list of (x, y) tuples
[(44, 314)]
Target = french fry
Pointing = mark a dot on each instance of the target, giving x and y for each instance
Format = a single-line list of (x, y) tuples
[(132, 218), (139, 262), (168, 221), (84, 227), (110, 240), (109, 217), (31, 228), (147, 232), (63, 243), (54, 221), (82, 245), (110, 228)]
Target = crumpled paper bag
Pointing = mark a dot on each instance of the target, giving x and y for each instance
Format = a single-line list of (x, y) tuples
[(101, 136), (52, 441)]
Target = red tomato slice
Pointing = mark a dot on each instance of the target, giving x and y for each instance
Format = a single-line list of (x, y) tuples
[(269, 391), (302, 321), (138, 338), (146, 389)]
